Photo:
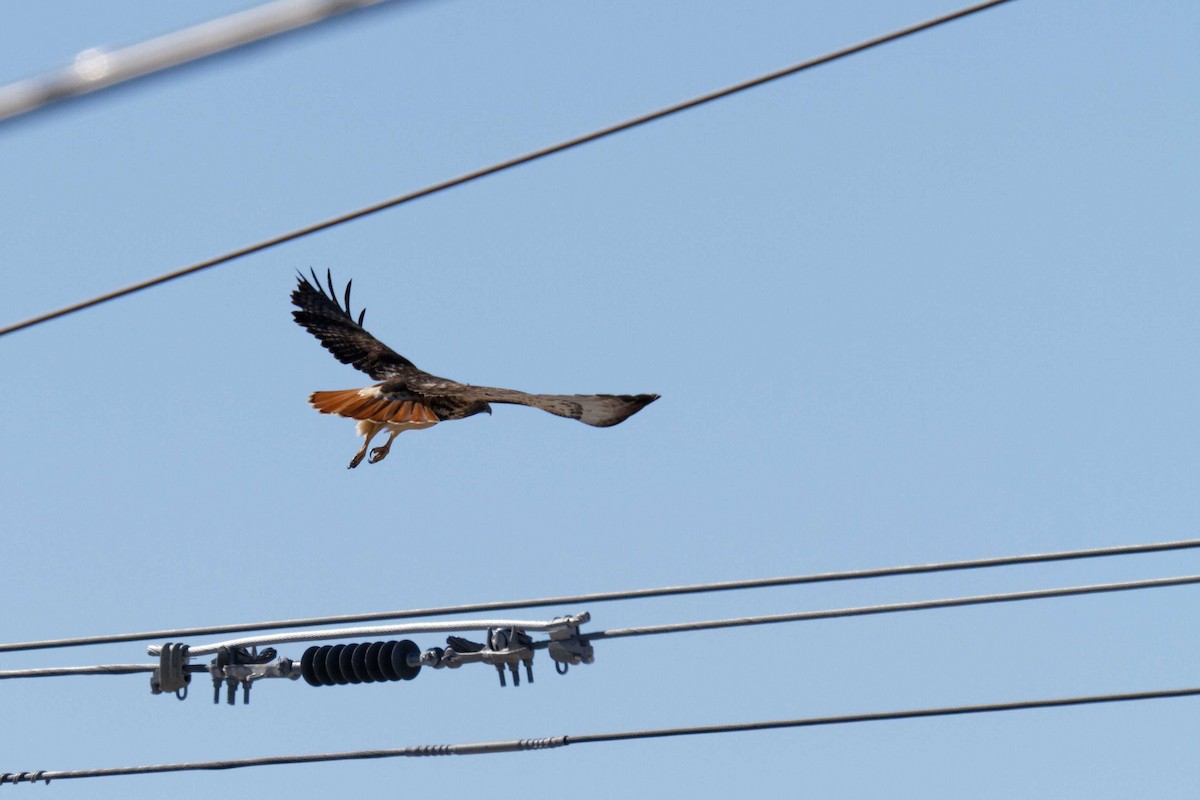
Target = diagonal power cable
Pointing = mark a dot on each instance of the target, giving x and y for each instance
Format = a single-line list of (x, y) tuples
[(515, 745), (892, 608), (601, 597), (506, 165), (94, 70)]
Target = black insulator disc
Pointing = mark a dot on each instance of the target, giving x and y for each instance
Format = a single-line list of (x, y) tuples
[(358, 663), (400, 657), (306, 666), (372, 661), (333, 665), (318, 665), (385, 661), (346, 663), (438, 654)]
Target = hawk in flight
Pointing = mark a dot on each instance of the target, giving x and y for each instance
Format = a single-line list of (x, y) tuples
[(407, 398)]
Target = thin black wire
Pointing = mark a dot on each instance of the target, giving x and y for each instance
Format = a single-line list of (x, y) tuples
[(892, 608), (882, 716), (505, 165), (603, 597), (517, 745)]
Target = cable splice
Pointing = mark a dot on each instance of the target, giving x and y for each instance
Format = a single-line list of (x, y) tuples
[(516, 745)]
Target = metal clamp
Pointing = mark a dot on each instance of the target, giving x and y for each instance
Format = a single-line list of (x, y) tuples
[(172, 674), (567, 647), (507, 648), (236, 666)]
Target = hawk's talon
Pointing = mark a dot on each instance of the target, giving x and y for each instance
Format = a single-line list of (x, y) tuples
[(378, 454), (358, 457)]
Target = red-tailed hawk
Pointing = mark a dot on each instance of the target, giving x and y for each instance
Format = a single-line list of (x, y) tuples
[(408, 398)]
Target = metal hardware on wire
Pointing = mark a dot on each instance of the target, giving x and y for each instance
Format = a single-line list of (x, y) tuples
[(506, 648), (503, 649), (385, 630), (172, 676), (237, 666), (233, 667), (568, 647)]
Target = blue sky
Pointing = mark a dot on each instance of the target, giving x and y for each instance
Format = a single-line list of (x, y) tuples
[(936, 301)]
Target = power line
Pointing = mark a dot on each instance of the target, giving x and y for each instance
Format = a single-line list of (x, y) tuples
[(892, 608), (505, 165), (602, 597), (94, 70), (882, 716), (59, 672), (517, 745), (645, 630)]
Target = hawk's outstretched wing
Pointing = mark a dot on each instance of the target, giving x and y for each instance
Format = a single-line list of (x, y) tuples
[(322, 316), (599, 410)]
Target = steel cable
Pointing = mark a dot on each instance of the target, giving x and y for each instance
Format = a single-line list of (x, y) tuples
[(505, 165), (516, 745)]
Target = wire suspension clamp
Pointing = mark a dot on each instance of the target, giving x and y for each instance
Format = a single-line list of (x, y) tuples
[(172, 675)]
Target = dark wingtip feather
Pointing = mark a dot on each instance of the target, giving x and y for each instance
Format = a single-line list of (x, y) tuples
[(630, 405), (315, 285), (332, 291), (636, 403)]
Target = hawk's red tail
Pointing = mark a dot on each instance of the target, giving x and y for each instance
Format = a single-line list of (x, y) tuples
[(369, 404)]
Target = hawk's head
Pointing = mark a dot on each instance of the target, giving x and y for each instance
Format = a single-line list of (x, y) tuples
[(478, 407)]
